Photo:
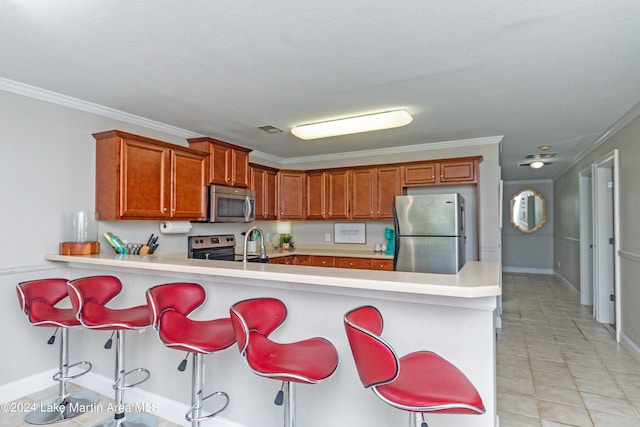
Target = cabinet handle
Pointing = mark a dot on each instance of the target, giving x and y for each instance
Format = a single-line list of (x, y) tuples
[(322, 262), (350, 264), (164, 210)]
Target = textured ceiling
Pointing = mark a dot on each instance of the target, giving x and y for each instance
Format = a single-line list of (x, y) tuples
[(537, 72)]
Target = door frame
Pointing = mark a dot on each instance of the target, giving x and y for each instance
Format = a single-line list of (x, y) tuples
[(587, 226), (602, 254)]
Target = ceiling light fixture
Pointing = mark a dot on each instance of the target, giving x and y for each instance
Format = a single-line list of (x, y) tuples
[(349, 125), (536, 165)]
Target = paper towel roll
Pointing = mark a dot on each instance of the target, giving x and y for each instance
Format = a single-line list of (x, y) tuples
[(175, 227)]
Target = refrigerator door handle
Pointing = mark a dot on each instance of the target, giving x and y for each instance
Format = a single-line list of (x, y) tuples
[(396, 229)]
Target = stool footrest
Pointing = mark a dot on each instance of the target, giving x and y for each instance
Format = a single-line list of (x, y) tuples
[(58, 375), (129, 386), (194, 407)]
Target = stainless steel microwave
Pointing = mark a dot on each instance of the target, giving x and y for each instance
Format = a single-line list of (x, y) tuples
[(230, 204)]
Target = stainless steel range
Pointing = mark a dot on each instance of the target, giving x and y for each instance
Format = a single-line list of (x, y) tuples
[(217, 247)]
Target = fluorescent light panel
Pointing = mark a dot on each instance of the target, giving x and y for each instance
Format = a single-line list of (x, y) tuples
[(350, 125)]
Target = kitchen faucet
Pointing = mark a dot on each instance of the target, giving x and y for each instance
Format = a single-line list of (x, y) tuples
[(247, 234)]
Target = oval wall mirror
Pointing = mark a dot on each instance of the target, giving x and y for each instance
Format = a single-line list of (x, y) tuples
[(527, 210)]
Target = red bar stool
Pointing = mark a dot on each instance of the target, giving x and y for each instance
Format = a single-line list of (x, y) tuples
[(170, 304), (88, 298), (418, 382), (37, 300), (309, 361)]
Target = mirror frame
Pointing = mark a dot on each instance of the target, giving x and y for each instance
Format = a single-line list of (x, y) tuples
[(544, 210)]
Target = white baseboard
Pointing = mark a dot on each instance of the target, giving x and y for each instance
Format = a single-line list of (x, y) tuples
[(630, 346), (26, 386), (159, 406), (568, 284), (529, 270)]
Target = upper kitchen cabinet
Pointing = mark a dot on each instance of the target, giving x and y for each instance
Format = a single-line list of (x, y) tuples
[(291, 194), (142, 178), (264, 183), (327, 194), (228, 163), (372, 191), (462, 170)]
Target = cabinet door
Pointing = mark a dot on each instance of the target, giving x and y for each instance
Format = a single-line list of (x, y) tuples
[(389, 186), (316, 189), (381, 264), (363, 194), (188, 174), (302, 260), (291, 194), (323, 261), (258, 177), (419, 174), (271, 195), (288, 260), (337, 194), (461, 171), (145, 181), (345, 262), (237, 168), (218, 164)]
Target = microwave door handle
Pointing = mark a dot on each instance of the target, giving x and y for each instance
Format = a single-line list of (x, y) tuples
[(246, 209)]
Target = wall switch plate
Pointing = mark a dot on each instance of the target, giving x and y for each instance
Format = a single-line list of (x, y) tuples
[(268, 236), (327, 237)]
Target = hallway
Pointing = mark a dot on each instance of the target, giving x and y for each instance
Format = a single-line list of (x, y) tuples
[(556, 365)]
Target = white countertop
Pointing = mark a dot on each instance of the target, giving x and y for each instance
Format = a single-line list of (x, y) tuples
[(476, 279)]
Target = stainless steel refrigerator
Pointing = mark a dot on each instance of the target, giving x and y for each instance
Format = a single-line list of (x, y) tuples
[(430, 233)]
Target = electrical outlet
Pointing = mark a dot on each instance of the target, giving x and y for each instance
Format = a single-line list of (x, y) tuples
[(327, 237), (268, 236)]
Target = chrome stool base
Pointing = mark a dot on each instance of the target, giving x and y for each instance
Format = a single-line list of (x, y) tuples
[(136, 419), (57, 409)]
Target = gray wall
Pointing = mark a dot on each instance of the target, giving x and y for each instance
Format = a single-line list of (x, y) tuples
[(527, 252), (567, 230)]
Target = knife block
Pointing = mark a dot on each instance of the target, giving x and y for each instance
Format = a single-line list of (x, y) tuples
[(79, 248)]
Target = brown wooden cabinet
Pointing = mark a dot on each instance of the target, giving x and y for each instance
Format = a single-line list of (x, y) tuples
[(363, 193), (143, 178), (323, 261), (381, 264), (264, 182), (389, 185), (291, 194), (327, 194), (228, 163), (373, 190), (347, 262), (442, 172)]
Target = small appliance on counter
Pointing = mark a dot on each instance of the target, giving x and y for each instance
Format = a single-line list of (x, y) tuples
[(80, 234), (390, 235), (430, 233), (217, 248)]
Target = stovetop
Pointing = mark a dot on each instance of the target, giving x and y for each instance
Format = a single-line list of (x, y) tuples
[(217, 248)]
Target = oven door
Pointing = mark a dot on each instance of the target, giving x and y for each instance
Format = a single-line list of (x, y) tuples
[(229, 205)]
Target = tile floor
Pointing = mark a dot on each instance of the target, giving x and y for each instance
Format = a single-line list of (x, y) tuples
[(556, 365)]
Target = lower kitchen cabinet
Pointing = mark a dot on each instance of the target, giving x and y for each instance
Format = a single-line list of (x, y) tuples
[(381, 264), (361, 263), (323, 261)]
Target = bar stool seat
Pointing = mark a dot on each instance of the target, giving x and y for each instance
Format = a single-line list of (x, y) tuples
[(38, 299), (308, 361), (88, 298), (170, 305), (419, 382)]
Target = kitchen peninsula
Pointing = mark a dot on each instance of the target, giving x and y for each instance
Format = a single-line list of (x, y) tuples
[(452, 315)]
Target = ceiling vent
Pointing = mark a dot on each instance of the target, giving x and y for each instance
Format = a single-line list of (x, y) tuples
[(270, 129), (541, 156)]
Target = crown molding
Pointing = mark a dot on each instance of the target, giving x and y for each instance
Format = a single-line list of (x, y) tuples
[(100, 110), (396, 150), (90, 107), (529, 181), (628, 117)]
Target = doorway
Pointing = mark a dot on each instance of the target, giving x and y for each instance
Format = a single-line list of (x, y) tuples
[(606, 240)]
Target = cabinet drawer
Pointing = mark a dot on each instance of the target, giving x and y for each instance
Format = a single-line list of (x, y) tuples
[(353, 263), (323, 261), (381, 264), (302, 260)]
